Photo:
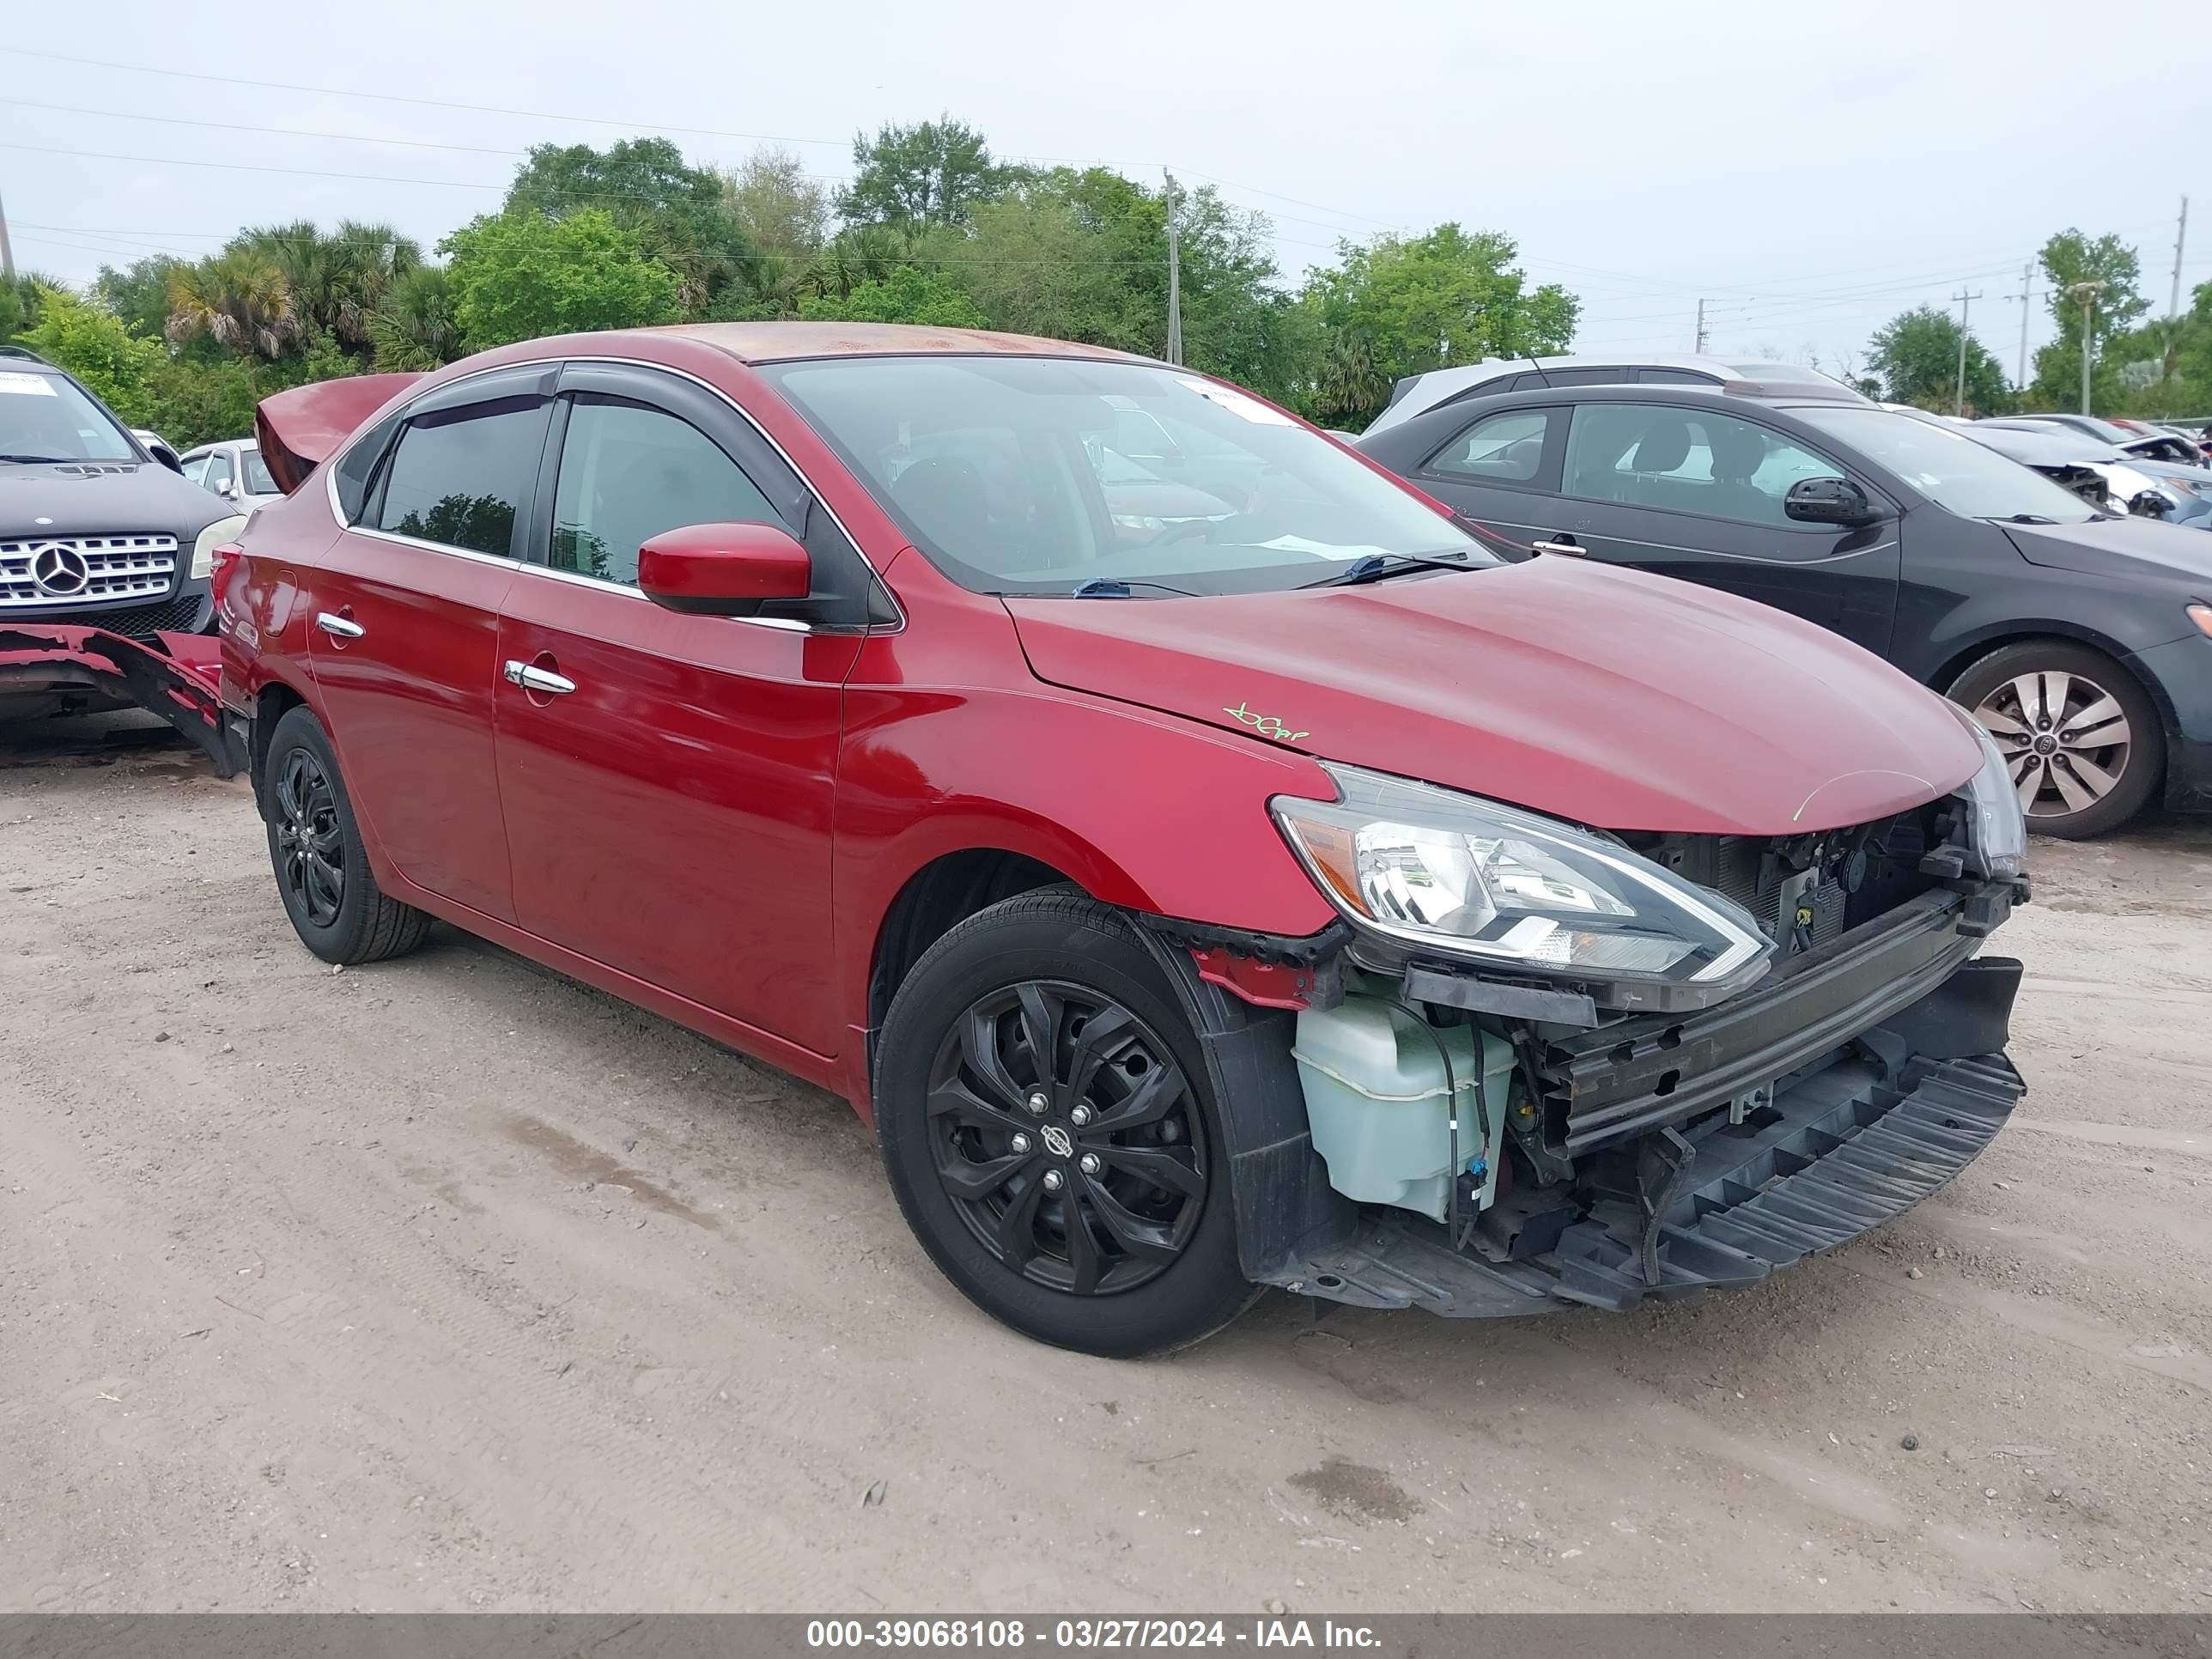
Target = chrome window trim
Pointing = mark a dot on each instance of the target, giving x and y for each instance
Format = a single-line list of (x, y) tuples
[(787, 624)]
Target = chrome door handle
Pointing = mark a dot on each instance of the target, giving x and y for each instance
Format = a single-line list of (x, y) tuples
[(340, 628), (1576, 548), (531, 678)]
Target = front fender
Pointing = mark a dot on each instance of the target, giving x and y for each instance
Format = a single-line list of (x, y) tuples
[(1146, 812)]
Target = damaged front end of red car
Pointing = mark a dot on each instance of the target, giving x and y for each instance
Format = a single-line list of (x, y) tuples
[(50, 667)]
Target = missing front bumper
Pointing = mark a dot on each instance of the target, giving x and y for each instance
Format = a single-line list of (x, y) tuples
[(1843, 1148)]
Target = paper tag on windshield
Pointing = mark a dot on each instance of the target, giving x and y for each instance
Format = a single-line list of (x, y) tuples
[(26, 385), (1237, 403)]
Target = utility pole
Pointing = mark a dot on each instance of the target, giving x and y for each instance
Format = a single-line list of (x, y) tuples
[(2024, 296), (7, 253), (1174, 277), (2173, 300), (1701, 328), (1966, 304), (2084, 294), (2181, 236)]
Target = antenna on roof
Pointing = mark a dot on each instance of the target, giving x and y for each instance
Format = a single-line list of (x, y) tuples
[(1539, 367)]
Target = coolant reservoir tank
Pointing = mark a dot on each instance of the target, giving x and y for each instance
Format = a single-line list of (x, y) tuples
[(1376, 1099)]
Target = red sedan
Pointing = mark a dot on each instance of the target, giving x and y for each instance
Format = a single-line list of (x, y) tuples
[(1207, 866)]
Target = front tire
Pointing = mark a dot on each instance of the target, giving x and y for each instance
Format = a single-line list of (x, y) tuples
[(1049, 1129), (2079, 735), (315, 849)]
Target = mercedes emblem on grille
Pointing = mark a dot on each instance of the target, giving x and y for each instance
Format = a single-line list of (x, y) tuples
[(60, 571)]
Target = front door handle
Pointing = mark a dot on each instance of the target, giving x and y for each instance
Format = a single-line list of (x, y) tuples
[(1562, 543), (338, 628), (531, 678)]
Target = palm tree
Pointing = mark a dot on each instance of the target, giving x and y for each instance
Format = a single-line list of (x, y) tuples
[(241, 298), (413, 327), (857, 254), (362, 262), (1350, 386)]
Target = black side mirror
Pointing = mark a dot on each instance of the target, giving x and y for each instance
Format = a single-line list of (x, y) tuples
[(2149, 504), (1828, 501)]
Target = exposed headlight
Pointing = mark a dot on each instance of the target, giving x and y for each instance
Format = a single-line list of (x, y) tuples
[(1487, 883), (213, 536), (2000, 828)]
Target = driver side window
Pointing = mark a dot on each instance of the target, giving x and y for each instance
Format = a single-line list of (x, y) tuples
[(1687, 461), (1503, 448)]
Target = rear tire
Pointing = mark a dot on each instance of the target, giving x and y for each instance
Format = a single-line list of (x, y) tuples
[(2079, 732), (315, 849), (1036, 1076)]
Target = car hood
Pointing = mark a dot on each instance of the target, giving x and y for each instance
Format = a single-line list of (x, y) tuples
[(2109, 547), (104, 498), (1608, 696)]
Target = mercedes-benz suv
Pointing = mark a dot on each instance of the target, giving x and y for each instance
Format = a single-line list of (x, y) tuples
[(94, 531)]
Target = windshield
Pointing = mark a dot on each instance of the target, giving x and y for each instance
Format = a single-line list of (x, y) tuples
[(1948, 467), (1035, 475), (257, 481), (47, 417)]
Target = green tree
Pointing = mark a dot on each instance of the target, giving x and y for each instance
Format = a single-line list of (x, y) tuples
[(19, 301), (92, 343), (935, 172), (1348, 385), (240, 299), (1915, 354), (1083, 255), (414, 326), (139, 293), (675, 213), (1422, 303), (2069, 257), (908, 294), (1061, 255), (787, 217), (519, 275)]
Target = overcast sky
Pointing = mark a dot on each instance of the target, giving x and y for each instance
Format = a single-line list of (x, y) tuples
[(1808, 168)]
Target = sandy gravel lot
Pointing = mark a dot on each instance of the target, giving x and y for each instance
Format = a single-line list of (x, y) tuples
[(449, 1284)]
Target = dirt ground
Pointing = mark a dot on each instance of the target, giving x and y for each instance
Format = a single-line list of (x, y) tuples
[(449, 1284)]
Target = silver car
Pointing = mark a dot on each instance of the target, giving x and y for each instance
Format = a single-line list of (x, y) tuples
[(232, 469)]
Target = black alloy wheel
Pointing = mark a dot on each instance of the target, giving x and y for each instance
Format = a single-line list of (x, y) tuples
[(1064, 1130), (311, 863), (1049, 1123), (322, 869)]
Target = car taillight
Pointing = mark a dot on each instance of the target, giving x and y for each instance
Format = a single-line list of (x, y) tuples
[(228, 558)]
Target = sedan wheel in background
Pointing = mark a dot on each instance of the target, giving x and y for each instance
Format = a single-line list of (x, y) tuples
[(2079, 735)]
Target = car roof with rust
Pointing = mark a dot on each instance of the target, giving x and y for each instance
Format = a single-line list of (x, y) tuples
[(781, 341)]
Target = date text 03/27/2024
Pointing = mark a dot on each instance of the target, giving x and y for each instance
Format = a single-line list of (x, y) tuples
[(987, 1635)]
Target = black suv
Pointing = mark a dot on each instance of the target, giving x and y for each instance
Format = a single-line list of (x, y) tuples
[(94, 531), (2082, 641)]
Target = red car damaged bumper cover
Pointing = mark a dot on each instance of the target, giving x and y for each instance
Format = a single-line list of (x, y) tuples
[(172, 675)]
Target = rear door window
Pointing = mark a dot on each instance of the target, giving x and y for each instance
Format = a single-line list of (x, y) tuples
[(460, 476)]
